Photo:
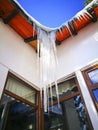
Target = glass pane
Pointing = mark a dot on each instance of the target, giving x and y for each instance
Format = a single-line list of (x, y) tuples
[(69, 116), (21, 89), (75, 114), (95, 92), (17, 115), (1, 110), (53, 120), (65, 88), (93, 76)]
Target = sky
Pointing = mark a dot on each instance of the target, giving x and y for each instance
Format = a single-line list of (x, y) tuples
[(52, 13)]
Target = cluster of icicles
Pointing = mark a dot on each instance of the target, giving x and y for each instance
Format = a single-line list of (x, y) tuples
[(47, 55), (48, 62)]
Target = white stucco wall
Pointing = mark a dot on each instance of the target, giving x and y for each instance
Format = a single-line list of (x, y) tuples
[(74, 53), (17, 55), (78, 51), (3, 76)]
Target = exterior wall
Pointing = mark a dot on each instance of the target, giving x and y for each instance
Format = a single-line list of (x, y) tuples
[(3, 76), (16, 55), (77, 51), (75, 54)]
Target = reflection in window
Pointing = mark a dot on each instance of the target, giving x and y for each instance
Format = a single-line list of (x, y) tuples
[(95, 92), (1, 110), (17, 115), (70, 116), (66, 88), (53, 119), (93, 76), (21, 89)]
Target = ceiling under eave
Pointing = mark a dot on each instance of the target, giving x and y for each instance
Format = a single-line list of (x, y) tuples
[(16, 18)]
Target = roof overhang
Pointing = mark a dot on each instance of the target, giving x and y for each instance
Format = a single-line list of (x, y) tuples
[(17, 18)]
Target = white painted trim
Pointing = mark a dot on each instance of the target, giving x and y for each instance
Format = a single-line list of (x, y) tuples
[(3, 76), (88, 100)]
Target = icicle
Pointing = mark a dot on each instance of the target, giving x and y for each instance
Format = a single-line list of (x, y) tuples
[(45, 99), (48, 63), (60, 30), (69, 30), (84, 11), (34, 29), (51, 95), (52, 37), (48, 92), (57, 93), (67, 26), (83, 14)]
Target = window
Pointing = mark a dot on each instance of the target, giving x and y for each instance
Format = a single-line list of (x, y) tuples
[(70, 114), (91, 78), (23, 110), (18, 105), (20, 89), (93, 75)]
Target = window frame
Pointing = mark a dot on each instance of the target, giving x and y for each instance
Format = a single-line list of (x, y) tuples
[(91, 86), (65, 98), (39, 107), (35, 105)]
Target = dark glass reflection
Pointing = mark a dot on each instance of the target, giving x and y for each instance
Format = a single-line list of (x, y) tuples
[(95, 92), (1, 110), (17, 115), (93, 76), (53, 118), (69, 116)]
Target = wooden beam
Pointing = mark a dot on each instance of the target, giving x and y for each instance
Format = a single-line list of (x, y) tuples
[(72, 28), (30, 39), (94, 17), (10, 17), (58, 42), (93, 14)]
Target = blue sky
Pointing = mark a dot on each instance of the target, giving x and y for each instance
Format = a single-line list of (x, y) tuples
[(52, 13)]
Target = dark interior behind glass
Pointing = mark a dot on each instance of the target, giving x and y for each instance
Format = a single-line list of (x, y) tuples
[(16, 115)]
